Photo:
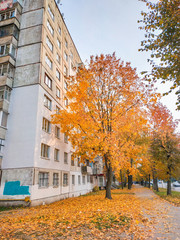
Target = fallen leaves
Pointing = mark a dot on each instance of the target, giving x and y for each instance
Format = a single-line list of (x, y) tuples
[(85, 217)]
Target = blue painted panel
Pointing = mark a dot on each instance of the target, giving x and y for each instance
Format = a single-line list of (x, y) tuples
[(14, 188)]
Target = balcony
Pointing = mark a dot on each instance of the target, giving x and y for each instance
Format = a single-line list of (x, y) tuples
[(10, 21), (86, 169), (6, 81)]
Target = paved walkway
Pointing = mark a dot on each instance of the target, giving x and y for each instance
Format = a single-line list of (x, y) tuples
[(164, 218)]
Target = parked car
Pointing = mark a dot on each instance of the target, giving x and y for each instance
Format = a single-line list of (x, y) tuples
[(176, 184)]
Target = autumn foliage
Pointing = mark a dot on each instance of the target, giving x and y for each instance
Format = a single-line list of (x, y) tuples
[(105, 115)]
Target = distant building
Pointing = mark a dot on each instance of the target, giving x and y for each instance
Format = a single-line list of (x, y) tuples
[(37, 53)]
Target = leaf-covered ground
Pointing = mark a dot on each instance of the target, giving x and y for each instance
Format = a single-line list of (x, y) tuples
[(174, 198), (126, 216)]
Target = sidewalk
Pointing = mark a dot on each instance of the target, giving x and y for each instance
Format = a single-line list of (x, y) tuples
[(164, 217)]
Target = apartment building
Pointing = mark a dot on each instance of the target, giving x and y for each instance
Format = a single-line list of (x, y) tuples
[(37, 54)]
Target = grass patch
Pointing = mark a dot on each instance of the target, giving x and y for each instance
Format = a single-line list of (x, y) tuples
[(105, 221), (174, 198), (2, 209)]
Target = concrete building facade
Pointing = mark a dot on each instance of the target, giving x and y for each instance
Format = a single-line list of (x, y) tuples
[(37, 54)]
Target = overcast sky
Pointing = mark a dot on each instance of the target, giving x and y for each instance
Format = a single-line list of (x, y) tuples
[(107, 26)]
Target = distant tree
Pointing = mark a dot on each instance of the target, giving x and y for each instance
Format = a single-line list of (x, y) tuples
[(162, 26), (164, 146), (105, 102)]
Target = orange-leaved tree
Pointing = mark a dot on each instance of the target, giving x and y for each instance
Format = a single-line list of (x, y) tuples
[(104, 98), (164, 148)]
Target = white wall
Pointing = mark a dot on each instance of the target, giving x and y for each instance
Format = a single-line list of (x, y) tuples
[(21, 133)]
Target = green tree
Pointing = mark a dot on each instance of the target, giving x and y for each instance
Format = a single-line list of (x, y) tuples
[(162, 26), (164, 147)]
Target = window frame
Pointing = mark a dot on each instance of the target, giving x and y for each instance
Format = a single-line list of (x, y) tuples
[(55, 179), (56, 155), (44, 180), (45, 151), (49, 102), (65, 179), (57, 132), (65, 158), (48, 81), (46, 125)]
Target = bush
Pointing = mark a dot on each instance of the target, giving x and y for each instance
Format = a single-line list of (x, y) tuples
[(96, 189)]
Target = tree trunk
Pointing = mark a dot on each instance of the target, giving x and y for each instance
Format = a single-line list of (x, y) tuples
[(122, 183), (149, 181), (109, 182), (125, 181), (169, 187), (109, 173), (129, 181), (169, 181), (155, 184)]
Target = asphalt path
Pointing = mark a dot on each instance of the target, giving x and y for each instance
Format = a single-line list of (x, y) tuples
[(164, 217)]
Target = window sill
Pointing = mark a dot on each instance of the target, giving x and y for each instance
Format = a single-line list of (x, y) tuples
[(43, 187), (48, 108), (56, 160), (46, 132), (45, 158)]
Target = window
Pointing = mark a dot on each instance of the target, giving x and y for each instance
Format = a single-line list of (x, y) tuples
[(47, 102), (58, 75), (59, 30), (57, 110), (65, 71), (66, 43), (88, 178), (79, 179), (65, 157), (55, 179), (78, 162), (65, 85), (5, 93), (9, 30), (48, 81), (1, 144), (91, 179), (4, 49), (13, 51), (58, 58), (73, 179), (87, 163), (72, 160), (66, 56), (83, 180), (6, 69), (4, 117), (43, 179), (45, 150), (58, 43), (7, 15), (58, 93), (50, 28), (46, 125), (57, 132), (65, 101), (65, 179), (65, 138), (48, 62), (49, 43), (71, 54), (51, 13), (56, 154)]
